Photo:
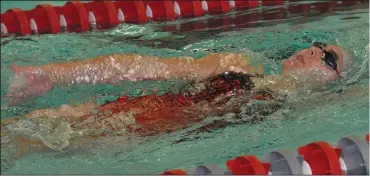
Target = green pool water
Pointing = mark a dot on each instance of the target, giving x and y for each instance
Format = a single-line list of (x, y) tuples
[(340, 112)]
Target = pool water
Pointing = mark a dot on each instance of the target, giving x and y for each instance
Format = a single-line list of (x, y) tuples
[(340, 111)]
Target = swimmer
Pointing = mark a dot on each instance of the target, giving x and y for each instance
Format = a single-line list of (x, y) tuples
[(113, 68), (224, 84)]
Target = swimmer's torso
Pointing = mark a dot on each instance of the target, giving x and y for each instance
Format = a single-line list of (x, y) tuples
[(152, 114)]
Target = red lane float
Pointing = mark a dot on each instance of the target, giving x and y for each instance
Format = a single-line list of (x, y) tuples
[(103, 14), (45, 18), (188, 8), (131, 11), (160, 10), (247, 165), (76, 16), (322, 159), (349, 157), (216, 6), (17, 20), (241, 4), (251, 19), (174, 172)]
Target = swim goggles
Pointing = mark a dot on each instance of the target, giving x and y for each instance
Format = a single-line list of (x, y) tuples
[(329, 58)]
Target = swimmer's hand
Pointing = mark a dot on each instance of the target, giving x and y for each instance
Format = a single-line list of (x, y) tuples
[(26, 84)]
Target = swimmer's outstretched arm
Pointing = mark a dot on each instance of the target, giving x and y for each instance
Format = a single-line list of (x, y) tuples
[(113, 68), (118, 67)]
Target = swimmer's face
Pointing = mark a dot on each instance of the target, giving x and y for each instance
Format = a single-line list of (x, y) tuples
[(311, 58)]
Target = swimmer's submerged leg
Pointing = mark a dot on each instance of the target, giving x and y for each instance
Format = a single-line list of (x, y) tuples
[(254, 114), (15, 146)]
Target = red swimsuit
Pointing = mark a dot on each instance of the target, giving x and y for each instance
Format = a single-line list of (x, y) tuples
[(165, 113)]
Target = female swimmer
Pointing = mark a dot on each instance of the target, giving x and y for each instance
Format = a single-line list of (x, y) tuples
[(224, 83)]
